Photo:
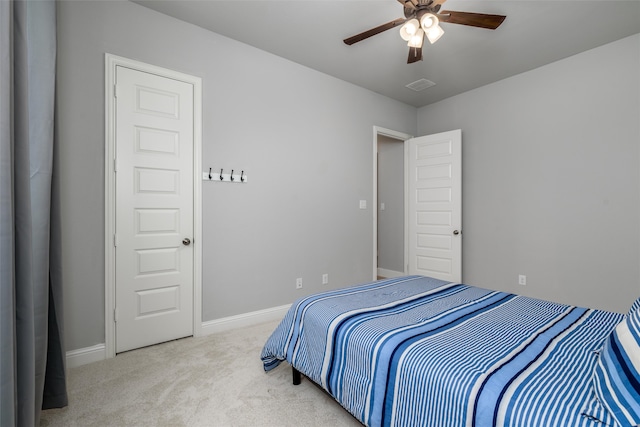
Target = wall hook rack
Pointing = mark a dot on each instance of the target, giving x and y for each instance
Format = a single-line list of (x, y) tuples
[(225, 177)]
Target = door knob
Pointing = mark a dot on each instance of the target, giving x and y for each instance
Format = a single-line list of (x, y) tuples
[(186, 242), (456, 232)]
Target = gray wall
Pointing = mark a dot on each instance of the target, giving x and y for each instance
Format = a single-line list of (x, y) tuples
[(391, 193), (302, 137), (551, 178), (550, 160)]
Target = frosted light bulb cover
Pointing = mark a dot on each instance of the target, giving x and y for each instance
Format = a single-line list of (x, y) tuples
[(417, 39), (428, 21), (434, 34), (409, 29)]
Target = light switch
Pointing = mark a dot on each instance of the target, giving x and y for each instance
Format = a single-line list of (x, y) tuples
[(363, 204)]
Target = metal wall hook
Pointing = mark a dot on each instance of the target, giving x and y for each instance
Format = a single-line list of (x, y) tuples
[(224, 177)]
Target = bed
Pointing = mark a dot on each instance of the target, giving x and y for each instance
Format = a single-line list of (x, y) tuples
[(417, 351)]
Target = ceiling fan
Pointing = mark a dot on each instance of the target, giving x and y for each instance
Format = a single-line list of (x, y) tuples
[(422, 18)]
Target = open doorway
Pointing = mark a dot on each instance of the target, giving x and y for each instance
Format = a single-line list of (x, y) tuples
[(390, 203)]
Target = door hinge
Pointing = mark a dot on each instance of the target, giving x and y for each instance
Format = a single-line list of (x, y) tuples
[(115, 240), (115, 315), (115, 91), (115, 165)]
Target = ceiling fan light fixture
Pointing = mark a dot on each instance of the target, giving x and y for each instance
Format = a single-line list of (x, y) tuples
[(428, 21), (417, 39), (435, 33), (409, 29)]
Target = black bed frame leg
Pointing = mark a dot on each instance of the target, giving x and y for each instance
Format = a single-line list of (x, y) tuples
[(297, 377)]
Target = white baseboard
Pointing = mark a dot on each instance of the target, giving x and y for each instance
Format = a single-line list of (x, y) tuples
[(98, 352), (389, 273), (86, 355), (242, 320)]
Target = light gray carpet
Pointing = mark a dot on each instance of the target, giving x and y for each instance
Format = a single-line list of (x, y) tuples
[(215, 380)]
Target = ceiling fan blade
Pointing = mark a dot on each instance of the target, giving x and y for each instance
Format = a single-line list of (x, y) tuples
[(481, 20), (415, 55), (372, 32)]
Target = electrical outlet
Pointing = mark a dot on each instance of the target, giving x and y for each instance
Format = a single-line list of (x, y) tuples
[(325, 278), (299, 283), (522, 280)]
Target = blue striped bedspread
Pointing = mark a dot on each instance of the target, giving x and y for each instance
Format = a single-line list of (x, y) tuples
[(416, 351)]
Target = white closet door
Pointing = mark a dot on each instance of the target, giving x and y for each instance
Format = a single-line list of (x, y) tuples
[(154, 209)]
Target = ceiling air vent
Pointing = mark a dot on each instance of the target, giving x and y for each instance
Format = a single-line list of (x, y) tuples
[(421, 84)]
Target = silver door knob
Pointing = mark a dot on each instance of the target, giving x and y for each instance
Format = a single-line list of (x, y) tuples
[(186, 242), (456, 232)]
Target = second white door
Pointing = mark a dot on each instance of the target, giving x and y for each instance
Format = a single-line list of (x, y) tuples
[(154, 209), (435, 206)]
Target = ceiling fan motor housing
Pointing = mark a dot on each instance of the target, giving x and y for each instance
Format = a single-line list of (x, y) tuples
[(419, 10)]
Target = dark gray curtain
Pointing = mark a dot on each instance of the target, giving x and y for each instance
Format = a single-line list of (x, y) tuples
[(32, 371)]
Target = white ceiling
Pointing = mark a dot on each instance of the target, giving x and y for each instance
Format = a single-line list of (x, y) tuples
[(310, 32)]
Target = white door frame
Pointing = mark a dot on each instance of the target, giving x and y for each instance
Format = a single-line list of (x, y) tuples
[(403, 137), (111, 62)]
